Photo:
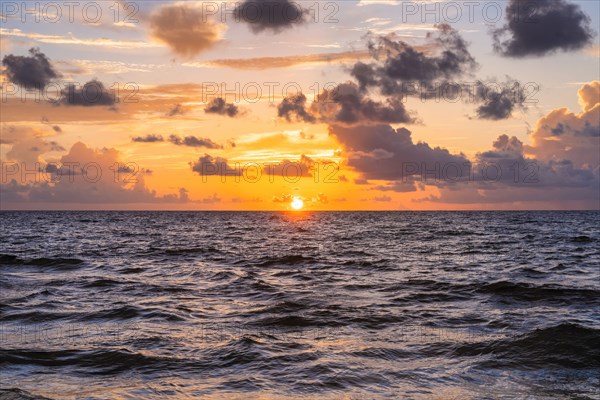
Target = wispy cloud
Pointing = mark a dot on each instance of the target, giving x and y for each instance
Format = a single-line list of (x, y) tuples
[(260, 63), (92, 67), (72, 40), (363, 3)]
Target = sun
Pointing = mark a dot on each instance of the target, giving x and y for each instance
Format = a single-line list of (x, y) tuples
[(297, 203)]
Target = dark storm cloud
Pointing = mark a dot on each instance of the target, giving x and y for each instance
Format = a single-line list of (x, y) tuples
[(345, 104), (92, 93), (273, 15), (348, 105), (192, 141), (540, 27), (380, 152), (364, 74), (499, 100), (208, 165), (31, 72), (499, 108), (397, 71), (293, 107), (401, 70), (400, 62), (219, 106), (152, 138)]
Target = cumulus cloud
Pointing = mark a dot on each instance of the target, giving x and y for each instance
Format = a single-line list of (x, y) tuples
[(348, 105), (505, 174), (185, 29), (151, 138), (291, 169), (32, 72), (540, 27), (193, 141), (564, 135), (219, 106), (84, 175), (380, 152), (208, 165), (561, 165), (344, 104), (293, 107), (499, 100), (589, 95), (29, 145), (92, 93), (270, 15)]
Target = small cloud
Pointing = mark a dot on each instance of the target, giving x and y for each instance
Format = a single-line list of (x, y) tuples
[(208, 165), (382, 199), (185, 29), (284, 198), (272, 15), (219, 106), (152, 138), (540, 27), (30, 72), (93, 93), (210, 200), (193, 141), (177, 110)]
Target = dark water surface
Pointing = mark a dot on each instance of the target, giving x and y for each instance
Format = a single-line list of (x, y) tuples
[(481, 305)]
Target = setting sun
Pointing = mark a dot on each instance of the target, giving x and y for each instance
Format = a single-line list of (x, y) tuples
[(297, 203)]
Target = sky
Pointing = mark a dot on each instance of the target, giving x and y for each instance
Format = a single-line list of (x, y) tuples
[(317, 105)]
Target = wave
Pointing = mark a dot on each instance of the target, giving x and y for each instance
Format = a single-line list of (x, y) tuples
[(548, 293), (130, 312), (93, 362), (562, 346), (427, 290), (191, 250), (18, 394), (43, 262), (582, 239), (285, 260), (102, 282)]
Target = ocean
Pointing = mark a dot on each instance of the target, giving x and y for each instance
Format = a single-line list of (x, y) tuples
[(323, 305)]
